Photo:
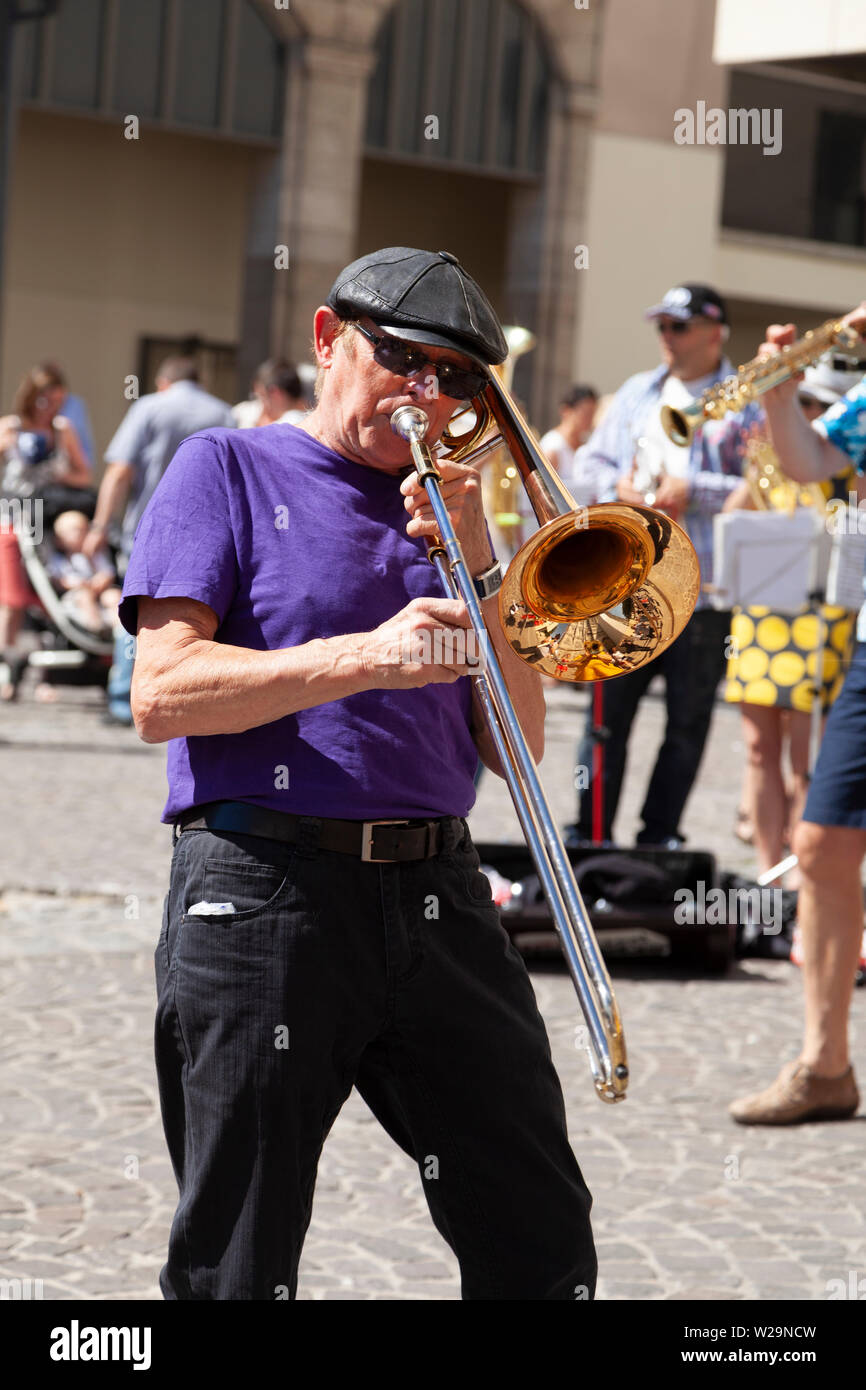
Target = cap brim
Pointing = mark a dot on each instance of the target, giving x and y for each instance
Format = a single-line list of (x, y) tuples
[(422, 335), (664, 310)]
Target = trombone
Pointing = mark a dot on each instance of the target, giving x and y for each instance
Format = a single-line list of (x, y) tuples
[(594, 592)]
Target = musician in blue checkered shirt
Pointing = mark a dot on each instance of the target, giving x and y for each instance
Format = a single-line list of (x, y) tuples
[(630, 458), (830, 840)]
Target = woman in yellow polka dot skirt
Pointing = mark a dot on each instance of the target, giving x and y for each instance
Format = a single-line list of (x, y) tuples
[(773, 671), (774, 668)]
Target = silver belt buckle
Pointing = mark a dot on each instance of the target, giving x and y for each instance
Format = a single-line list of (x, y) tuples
[(367, 839)]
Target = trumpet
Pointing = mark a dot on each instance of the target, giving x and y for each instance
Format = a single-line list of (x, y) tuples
[(754, 378), (582, 597)]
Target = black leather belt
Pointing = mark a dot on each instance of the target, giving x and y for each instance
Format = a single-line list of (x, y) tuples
[(374, 841)]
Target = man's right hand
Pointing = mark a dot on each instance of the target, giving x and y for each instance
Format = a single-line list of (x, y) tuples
[(94, 540), (782, 335), (627, 492), (857, 319), (429, 641)]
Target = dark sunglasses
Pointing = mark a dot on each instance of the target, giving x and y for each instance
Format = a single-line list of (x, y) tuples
[(675, 326), (403, 359)]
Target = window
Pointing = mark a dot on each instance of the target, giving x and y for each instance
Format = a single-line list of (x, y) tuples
[(138, 59), (217, 363), (77, 47), (197, 64), (480, 69), (840, 179)]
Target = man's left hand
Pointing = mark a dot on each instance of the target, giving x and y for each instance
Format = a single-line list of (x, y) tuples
[(461, 493)]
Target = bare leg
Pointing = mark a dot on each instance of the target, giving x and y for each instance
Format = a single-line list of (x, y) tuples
[(762, 729), (744, 828), (830, 915), (799, 729), (10, 626)]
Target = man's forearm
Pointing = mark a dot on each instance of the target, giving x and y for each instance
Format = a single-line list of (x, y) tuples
[(113, 492), (803, 453), (211, 688)]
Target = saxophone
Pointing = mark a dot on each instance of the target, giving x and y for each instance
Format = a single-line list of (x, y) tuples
[(754, 378), (770, 488)]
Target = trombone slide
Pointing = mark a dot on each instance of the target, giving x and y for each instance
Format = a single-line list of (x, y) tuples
[(607, 1051)]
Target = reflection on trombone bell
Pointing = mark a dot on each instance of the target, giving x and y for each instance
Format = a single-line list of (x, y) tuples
[(596, 648), (603, 600)]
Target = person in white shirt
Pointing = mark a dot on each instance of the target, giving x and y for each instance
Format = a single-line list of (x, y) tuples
[(277, 397), (630, 459), (561, 445)]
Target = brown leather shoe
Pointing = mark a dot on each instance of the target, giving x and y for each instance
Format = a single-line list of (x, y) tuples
[(798, 1095)]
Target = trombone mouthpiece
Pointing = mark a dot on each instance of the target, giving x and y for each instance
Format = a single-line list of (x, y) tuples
[(410, 422)]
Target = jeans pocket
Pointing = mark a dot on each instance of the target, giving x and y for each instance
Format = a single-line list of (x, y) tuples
[(231, 881), (467, 861), (236, 892)]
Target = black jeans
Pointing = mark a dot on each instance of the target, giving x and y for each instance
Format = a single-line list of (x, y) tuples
[(398, 979), (692, 667)]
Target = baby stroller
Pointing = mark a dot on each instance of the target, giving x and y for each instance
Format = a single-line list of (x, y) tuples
[(66, 652)]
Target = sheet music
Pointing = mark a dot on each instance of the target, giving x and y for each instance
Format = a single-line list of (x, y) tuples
[(847, 563)]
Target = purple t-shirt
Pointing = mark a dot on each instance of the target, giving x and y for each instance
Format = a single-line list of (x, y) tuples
[(286, 541)]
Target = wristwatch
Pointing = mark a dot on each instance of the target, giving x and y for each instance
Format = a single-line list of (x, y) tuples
[(490, 582)]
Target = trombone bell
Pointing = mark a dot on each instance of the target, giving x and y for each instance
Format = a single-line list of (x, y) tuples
[(570, 572), (596, 591)]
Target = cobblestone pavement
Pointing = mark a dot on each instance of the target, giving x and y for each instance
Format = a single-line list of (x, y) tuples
[(687, 1205)]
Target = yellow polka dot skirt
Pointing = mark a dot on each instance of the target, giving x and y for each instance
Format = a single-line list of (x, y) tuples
[(772, 658)]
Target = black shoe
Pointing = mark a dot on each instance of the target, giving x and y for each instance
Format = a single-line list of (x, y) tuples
[(574, 838), (670, 842)]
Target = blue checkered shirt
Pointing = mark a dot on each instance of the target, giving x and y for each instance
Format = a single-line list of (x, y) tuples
[(715, 465)]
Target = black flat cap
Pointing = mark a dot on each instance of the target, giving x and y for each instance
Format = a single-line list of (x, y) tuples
[(424, 296)]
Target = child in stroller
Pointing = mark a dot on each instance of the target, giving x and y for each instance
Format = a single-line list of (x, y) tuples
[(90, 594)]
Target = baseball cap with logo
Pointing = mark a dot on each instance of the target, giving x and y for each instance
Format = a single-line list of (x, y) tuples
[(687, 301), (424, 297)]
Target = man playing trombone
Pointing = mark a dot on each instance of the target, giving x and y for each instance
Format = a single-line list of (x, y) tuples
[(327, 924)]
